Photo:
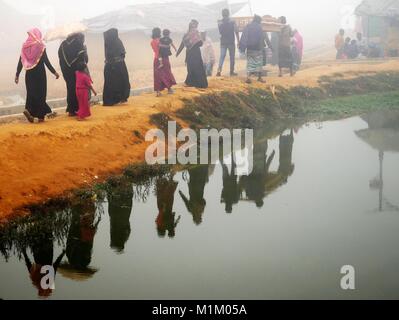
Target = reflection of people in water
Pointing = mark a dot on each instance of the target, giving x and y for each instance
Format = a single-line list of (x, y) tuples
[(230, 192), (81, 235), (286, 168), (199, 177), (166, 222), (255, 184), (43, 254), (120, 204)]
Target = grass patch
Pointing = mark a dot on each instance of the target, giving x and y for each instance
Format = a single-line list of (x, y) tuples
[(336, 97)]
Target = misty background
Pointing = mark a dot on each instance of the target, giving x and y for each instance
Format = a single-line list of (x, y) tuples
[(318, 21)]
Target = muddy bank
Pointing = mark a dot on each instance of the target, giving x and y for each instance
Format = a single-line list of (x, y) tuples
[(42, 162)]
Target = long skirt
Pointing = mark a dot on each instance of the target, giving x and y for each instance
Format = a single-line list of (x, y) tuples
[(70, 80), (285, 57), (117, 84), (255, 61), (83, 100), (163, 77), (36, 92), (196, 76)]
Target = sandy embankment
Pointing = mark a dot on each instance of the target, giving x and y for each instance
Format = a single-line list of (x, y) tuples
[(43, 161)]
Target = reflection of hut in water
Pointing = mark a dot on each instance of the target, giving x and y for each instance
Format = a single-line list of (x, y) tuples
[(383, 136)]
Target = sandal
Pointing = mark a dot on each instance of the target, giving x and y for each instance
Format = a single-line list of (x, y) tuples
[(28, 116), (52, 115)]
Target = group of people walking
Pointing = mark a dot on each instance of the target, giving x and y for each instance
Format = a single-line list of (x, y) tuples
[(200, 59), (73, 59)]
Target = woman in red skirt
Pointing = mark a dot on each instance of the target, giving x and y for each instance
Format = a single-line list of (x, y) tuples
[(163, 76)]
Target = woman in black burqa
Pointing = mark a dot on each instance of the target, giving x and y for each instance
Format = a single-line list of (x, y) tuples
[(117, 85), (33, 59), (192, 41), (71, 53)]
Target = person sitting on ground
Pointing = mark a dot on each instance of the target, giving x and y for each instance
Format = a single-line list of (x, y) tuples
[(165, 46), (362, 45), (353, 50), (84, 85), (347, 44), (208, 54)]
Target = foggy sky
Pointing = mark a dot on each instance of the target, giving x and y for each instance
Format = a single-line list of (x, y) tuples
[(315, 18)]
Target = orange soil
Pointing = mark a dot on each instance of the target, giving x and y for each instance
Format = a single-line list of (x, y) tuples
[(43, 161)]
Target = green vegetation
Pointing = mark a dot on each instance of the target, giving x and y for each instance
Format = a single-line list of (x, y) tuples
[(335, 98)]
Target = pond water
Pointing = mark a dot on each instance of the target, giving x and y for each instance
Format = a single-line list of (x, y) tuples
[(321, 196)]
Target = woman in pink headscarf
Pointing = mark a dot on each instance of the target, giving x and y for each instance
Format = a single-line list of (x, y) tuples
[(33, 58), (297, 50)]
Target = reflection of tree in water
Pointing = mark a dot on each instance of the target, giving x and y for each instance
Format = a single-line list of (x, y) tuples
[(120, 204), (32, 239), (261, 181), (198, 178), (166, 221), (18, 235)]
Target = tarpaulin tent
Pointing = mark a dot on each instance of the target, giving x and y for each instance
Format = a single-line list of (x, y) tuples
[(380, 24), (378, 8), (172, 15)]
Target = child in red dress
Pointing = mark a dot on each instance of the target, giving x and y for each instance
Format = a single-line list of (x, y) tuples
[(83, 86)]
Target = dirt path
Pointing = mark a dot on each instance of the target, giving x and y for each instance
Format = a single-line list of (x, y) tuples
[(43, 161)]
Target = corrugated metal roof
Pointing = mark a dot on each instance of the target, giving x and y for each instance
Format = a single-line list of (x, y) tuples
[(381, 8)]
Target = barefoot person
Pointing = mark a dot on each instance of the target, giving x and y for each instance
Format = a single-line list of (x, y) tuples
[(196, 76), (163, 76), (253, 43), (117, 85), (71, 53), (33, 59), (84, 85)]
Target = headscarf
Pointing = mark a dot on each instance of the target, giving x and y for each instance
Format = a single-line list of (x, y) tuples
[(73, 48), (298, 42), (193, 36), (114, 47), (32, 49)]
